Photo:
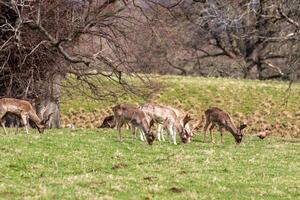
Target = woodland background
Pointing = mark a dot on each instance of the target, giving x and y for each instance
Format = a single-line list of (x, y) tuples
[(101, 42)]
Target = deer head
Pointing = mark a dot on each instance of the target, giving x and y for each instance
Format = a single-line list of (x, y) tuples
[(150, 137), (238, 136), (149, 134), (184, 135), (108, 122), (44, 123)]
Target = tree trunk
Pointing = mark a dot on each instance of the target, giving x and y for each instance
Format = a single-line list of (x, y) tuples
[(51, 100)]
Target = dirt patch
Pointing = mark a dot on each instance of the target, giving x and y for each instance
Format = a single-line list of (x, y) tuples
[(119, 166), (150, 178), (176, 190)]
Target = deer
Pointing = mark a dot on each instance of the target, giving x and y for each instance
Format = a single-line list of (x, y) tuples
[(24, 110), (216, 116), (124, 113), (108, 122), (183, 118), (167, 119)]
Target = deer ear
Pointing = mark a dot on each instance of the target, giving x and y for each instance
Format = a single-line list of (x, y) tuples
[(242, 126)]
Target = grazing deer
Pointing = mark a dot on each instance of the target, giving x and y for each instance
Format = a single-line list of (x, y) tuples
[(137, 118), (108, 122), (24, 110), (183, 119), (216, 116), (166, 118)]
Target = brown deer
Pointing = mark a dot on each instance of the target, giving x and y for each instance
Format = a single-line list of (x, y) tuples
[(216, 116), (24, 110), (124, 113), (108, 122)]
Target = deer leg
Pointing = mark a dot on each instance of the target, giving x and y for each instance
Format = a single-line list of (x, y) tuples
[(142, 135), (210, 131), (163, 128), (119, 125), (24, 118), (3, 126), (170, 132), (133, 129), (163, 134), (205, 129), (159, 129), (2, 121), (174, 135), (221, 132)]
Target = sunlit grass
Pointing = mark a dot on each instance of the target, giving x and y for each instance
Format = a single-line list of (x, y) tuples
[(91, 164)]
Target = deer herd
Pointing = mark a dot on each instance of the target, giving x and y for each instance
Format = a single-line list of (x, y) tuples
[(173, 120), (142, 118)]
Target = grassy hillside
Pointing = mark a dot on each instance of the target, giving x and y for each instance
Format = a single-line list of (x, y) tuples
[(261, 104), (90, 164)]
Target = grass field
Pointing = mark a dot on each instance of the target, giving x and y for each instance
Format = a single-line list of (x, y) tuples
[(91, 164)]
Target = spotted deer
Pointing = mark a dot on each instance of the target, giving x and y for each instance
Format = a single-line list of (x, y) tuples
[(216, 116), (124, 113), (25, 111), (183, 119), (167, 119)]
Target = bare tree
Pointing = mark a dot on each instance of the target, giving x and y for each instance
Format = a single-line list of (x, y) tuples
[(249, 38), (42, 42), (256, 34)]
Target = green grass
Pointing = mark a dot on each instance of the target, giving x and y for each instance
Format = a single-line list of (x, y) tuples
[(90, 164), (198, 93)]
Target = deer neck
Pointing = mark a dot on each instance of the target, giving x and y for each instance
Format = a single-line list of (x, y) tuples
[(37, 121), (231, 128), (145, 126)]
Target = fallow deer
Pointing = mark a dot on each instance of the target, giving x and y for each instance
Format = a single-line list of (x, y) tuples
[(137, 118), (216, 116), (24, 110), (168, 119), (183, 119), (108, 122)]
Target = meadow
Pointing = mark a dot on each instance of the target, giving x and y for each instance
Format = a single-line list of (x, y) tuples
[(91, 164), (88, 163)]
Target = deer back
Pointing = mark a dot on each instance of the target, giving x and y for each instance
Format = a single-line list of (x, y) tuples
[(15, 106), (159, 113), (127, 113)]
